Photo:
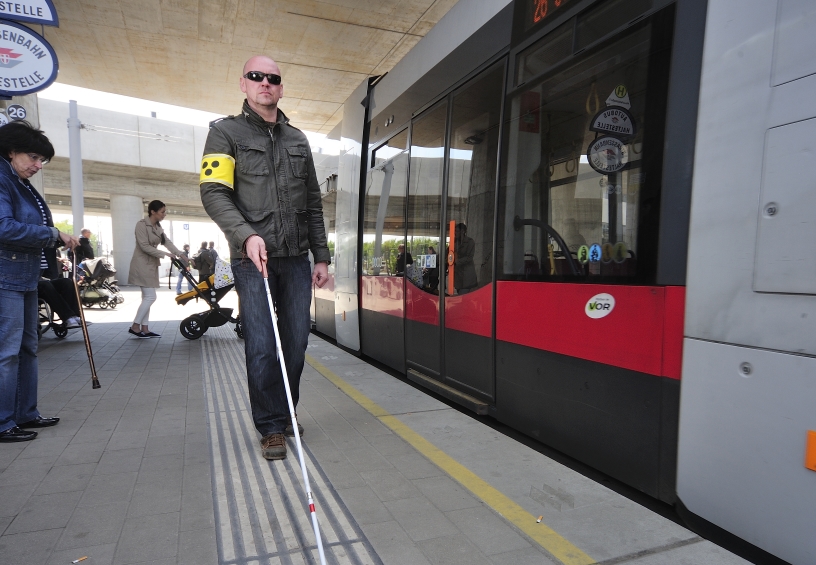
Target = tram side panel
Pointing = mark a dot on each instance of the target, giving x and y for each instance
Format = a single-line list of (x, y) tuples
[(749, 376)]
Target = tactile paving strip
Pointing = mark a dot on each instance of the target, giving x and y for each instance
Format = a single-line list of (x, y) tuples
[(260, 507)]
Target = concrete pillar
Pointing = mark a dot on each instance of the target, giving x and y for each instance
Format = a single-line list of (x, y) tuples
[(125, 212)]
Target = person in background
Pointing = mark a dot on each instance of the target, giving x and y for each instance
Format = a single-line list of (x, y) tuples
[(403, 259), (205, 262), (185, 258), (144, 265), (464, 274), (28, 243), (213, 252), (84, 249)]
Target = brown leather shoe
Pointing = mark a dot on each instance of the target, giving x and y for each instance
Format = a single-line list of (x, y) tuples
[(273, 446)]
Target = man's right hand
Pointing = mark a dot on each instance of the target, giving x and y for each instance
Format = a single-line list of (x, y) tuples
[(256, 251)]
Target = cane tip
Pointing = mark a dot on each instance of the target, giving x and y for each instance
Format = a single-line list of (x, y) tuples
[(96, 384)]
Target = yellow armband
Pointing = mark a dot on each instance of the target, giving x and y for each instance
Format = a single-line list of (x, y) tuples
[(218, 167)]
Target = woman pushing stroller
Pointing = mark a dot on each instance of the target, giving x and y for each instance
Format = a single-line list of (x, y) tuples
[(144, 266)]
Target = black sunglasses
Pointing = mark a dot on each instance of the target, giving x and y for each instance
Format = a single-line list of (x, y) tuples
[(257, 76)]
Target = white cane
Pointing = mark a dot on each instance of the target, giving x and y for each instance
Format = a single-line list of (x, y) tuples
[(306, 485)]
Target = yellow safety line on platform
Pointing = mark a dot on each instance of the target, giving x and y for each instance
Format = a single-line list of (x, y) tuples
[(542, 534)]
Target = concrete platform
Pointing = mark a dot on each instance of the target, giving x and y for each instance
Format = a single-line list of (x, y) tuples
[(162, 465)]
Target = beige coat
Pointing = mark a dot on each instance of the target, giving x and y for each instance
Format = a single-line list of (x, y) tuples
[(144, 266)]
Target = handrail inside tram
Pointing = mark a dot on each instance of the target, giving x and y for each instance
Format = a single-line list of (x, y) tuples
[(518, 223)]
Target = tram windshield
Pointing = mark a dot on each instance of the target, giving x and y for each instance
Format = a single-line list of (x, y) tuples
[(579, 142)]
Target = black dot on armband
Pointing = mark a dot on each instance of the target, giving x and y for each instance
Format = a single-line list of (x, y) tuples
[(215, 164), (204, 165), (208, 172)]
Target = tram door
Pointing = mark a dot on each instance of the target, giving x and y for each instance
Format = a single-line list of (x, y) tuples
[(451, 204)]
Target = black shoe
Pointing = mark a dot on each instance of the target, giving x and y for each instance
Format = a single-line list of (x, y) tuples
[(150, 334), (40, 422), (137, 334), (16, 434)]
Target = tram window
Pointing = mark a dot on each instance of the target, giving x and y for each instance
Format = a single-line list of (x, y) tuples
[(561, 216), (545, 53), (472, 178), (607, 17), (384, 206), (425, 194)]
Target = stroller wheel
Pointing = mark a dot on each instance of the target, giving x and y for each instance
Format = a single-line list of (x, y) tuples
[(87, 304), (103, 305), (192, 327), (112, 303), (60, 330)]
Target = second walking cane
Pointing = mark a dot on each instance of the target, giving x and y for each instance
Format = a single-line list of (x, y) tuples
[(306, 485), (94, 379)]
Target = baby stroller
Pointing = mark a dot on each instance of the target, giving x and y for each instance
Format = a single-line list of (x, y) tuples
[(95, 287), (211, 291)]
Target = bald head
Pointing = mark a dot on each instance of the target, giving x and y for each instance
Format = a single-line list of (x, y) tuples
[(259, 63), (262, 96)]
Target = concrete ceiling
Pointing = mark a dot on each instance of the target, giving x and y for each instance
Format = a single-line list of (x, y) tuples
[(191, 52)]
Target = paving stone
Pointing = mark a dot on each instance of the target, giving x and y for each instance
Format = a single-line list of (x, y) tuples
[(390, 484), (367, 459), (28, 548), (159, 496), (109, 488), (46, 512), (79, 453), (196, 547), (13, 498), (528, 556), (66, 478), (94, 525), (148, 537), (446, 494), (453, 550), (120, 461), (420, 519), (365, 505), (393, 545), (487, 531), (96, 554)]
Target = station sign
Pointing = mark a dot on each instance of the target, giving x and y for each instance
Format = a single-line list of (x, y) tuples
[(29, 11), (28, 63), (607, 155), (615, 120)]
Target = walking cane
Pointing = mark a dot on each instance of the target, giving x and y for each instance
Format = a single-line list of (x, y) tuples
[(306, 485), (94, 379)]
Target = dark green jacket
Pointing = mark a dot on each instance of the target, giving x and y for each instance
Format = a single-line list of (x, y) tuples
[(259, 178)]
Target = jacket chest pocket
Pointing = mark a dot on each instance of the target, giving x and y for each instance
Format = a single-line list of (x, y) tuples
[(297, 159), (252, 159)]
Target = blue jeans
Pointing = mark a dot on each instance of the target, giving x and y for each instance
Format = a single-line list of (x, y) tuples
[(178, 284), (290, 281), (18, 357)]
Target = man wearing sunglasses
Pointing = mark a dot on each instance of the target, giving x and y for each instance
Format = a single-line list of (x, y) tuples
[(258, 183)]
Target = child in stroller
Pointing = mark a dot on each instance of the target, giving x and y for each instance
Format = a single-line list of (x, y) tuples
[(211, 290)]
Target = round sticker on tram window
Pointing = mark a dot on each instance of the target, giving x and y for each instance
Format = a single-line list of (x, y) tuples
[(600, 305), (619, 253), (607, 155), (583, 254)]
